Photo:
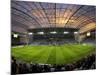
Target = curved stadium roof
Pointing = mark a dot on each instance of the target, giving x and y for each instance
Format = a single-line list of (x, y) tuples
[(32, 15)]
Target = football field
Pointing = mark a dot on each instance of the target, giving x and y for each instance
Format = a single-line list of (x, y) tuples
[(49, 54)]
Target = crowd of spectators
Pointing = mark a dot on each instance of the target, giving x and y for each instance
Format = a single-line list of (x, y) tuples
[(85, 63), (53, 42)]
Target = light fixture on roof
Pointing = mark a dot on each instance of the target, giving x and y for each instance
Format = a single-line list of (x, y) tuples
[(65, 32), (41, 33), (71, 21), (30, 33), (75, 32), (88, 34), (15, 35), (53, 32)]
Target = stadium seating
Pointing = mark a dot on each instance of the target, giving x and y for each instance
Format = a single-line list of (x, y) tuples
[(22, 67)]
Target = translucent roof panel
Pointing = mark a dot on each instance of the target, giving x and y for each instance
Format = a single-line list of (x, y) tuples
[(42, 15)]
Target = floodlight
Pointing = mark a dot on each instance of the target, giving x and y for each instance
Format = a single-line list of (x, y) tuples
[(54, 32), (66, 32), (41, 33), (88, 34), (15, 35), (75, 32), (30, 33)]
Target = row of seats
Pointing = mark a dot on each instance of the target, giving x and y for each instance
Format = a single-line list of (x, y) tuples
[(24, 68)]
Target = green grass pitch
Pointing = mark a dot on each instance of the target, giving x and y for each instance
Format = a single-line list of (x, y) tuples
[(49, 54)]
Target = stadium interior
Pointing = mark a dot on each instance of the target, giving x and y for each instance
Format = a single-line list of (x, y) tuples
[(52, 24)]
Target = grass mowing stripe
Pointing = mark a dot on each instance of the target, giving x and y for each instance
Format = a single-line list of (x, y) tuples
[(72, 53), (59, 56), (68, 54), (44, 56), (80, 52), (50, 49), (52, 58), (30, 55), (52, 54), (38, 56)]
